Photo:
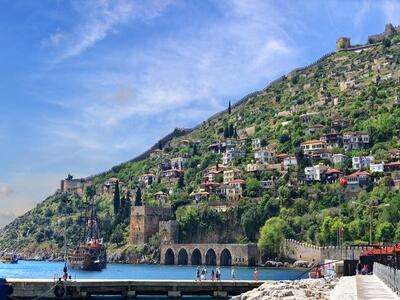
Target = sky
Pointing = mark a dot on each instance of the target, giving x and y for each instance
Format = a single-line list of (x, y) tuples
[(85, 85)]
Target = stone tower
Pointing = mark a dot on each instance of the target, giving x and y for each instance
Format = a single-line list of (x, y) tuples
[(343, 43), (145, 222)]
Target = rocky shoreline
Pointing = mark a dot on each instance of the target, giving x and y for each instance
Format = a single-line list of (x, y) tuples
[(291, 290)]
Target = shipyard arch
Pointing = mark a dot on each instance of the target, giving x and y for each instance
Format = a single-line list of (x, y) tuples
[(211, 257), (182, 257), (196, 257), (225, 258), (169, 257)]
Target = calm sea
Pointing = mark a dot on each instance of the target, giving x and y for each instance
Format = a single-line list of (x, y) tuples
[(50, 270)]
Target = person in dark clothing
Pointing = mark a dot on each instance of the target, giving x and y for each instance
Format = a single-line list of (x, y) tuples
[(359, 268)]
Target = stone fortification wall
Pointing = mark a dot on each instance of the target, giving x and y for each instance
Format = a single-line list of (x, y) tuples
[(303, 251)]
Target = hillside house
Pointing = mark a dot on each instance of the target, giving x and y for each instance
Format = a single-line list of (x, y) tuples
[(338, 159), (230, 142), (355, 140), (161, 197), (200, 196), (322, 155), (361, 162), (264, 155), (148, 179), (331, 175), (309, 147), (165, 165), (314, 173), (179, 161), (211, 176), (232, 174), (268, 184), (289, 162), (314, 128), (358, 181), (217, 167), (209, 186), (218, 147), (255, 167), (376, 168), (332, 139), (110, 184), (339, 124), (170, 174), (392, 166), (307, 118), (231, 154), (256, 144), (394, 154), (238, 184), (228, 192)]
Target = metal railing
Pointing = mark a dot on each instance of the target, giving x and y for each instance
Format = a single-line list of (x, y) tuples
[(390, 276)]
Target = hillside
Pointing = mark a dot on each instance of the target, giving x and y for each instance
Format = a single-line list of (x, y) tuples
[(275, 156)]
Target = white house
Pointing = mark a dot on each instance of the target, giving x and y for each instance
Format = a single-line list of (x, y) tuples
[(338, 159), (355, 140), (361, 162), (290, 161), (376, 168), (256, 144), (264, 155), (231, 154)]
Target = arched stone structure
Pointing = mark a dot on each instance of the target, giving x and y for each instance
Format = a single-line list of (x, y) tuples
[(196, 254), (195, 258), (225, 258), (183, 258), (169, 257), (211, 257)]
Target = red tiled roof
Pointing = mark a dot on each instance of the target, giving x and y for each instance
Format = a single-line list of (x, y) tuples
[(313, 142), (332, 171), (237, 181), (393, 163), (356, 174)]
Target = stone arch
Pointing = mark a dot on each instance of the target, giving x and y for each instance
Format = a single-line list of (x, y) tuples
[(211, 257), (195, 258), (225, 258), (169, 257), (183, 257)]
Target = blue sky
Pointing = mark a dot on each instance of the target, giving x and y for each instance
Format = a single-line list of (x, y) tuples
[(85, 85)]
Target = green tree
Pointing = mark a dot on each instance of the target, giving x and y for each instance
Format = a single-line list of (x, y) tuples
[(253, 186), (138, 197), (229, 108), (250, 221), (117, 237), (271, 237), (386, 43), (181, 182), (385, 232), (116, 200)]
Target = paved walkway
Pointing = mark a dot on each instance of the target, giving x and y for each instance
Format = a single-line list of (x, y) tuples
[(363, 288), (371, 287)]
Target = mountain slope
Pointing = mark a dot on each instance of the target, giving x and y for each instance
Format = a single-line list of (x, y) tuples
[(358, 86)]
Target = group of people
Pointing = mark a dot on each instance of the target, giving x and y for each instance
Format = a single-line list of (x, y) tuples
[(362, 269), (201, 274)]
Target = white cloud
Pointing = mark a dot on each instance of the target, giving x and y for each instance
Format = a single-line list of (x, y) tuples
[(97, 19)]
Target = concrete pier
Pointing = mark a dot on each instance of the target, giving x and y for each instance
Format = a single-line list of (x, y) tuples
[(32, 288)]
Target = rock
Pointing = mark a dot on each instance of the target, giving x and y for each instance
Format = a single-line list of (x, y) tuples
[(301, 264)]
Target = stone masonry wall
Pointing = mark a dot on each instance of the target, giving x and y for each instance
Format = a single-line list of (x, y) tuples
[(303, 251)]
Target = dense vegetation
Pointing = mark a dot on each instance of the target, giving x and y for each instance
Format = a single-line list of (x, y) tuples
[(311, 213)]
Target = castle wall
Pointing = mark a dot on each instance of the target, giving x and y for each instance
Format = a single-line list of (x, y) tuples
[(303, 251)]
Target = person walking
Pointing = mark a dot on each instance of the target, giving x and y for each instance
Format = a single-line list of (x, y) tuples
[(359, 268), (212, 275), (218, 274), (233, 273), (255, 274), (198, 274)]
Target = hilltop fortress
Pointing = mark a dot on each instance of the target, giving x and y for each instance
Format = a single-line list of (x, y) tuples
[(344, 43)]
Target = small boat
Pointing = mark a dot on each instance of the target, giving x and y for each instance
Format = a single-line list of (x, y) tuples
[(9, 259)]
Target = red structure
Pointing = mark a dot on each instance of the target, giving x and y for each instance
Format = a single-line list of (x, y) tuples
[(386, 255)]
